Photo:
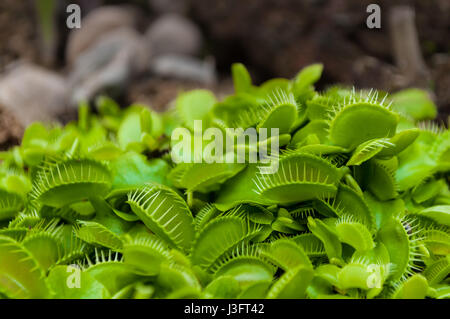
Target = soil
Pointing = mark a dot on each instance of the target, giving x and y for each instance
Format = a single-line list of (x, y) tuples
[(10, 130), (277, 37), (18, 35), (272, 38)]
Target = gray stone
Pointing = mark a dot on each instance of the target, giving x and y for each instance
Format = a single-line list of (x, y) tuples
[(31, 93), (95, 25), (109, 65), (174, 34), (184, 68)]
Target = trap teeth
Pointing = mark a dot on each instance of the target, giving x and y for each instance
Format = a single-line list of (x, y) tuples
[(356, 200)]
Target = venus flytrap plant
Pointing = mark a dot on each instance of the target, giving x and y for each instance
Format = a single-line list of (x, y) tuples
[(165, 213), (292, 284), (65, 182), (354, 233), (365, 115), (300, 177), (247, 266), (356, 207), (20, 270), (10, 204)]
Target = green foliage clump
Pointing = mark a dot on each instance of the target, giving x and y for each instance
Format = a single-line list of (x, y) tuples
[(359, 207)]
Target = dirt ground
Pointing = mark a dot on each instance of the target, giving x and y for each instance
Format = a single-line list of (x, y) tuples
[(18, 35), (272, 37)]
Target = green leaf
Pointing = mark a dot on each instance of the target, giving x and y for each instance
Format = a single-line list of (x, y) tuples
[(440, 214), (415, 103), (164, 211), (20, 274), (308, 76), (292, 284), (241, 78), (134, 170), (195, 105), (70, 282)]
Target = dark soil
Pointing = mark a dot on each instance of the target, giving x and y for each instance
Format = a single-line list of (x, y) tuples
[(10, 130), (272, 37), (18, 33), (278, 37)]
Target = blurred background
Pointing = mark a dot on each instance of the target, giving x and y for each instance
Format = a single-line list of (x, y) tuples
[(147, 51)]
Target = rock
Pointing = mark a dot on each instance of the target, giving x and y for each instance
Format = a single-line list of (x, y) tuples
[(168, 6), (174, 34), (109, 65), (30, 93), (95, 25), (184, 68)]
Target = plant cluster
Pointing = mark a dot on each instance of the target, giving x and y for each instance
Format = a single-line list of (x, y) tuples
[(358, 208)]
